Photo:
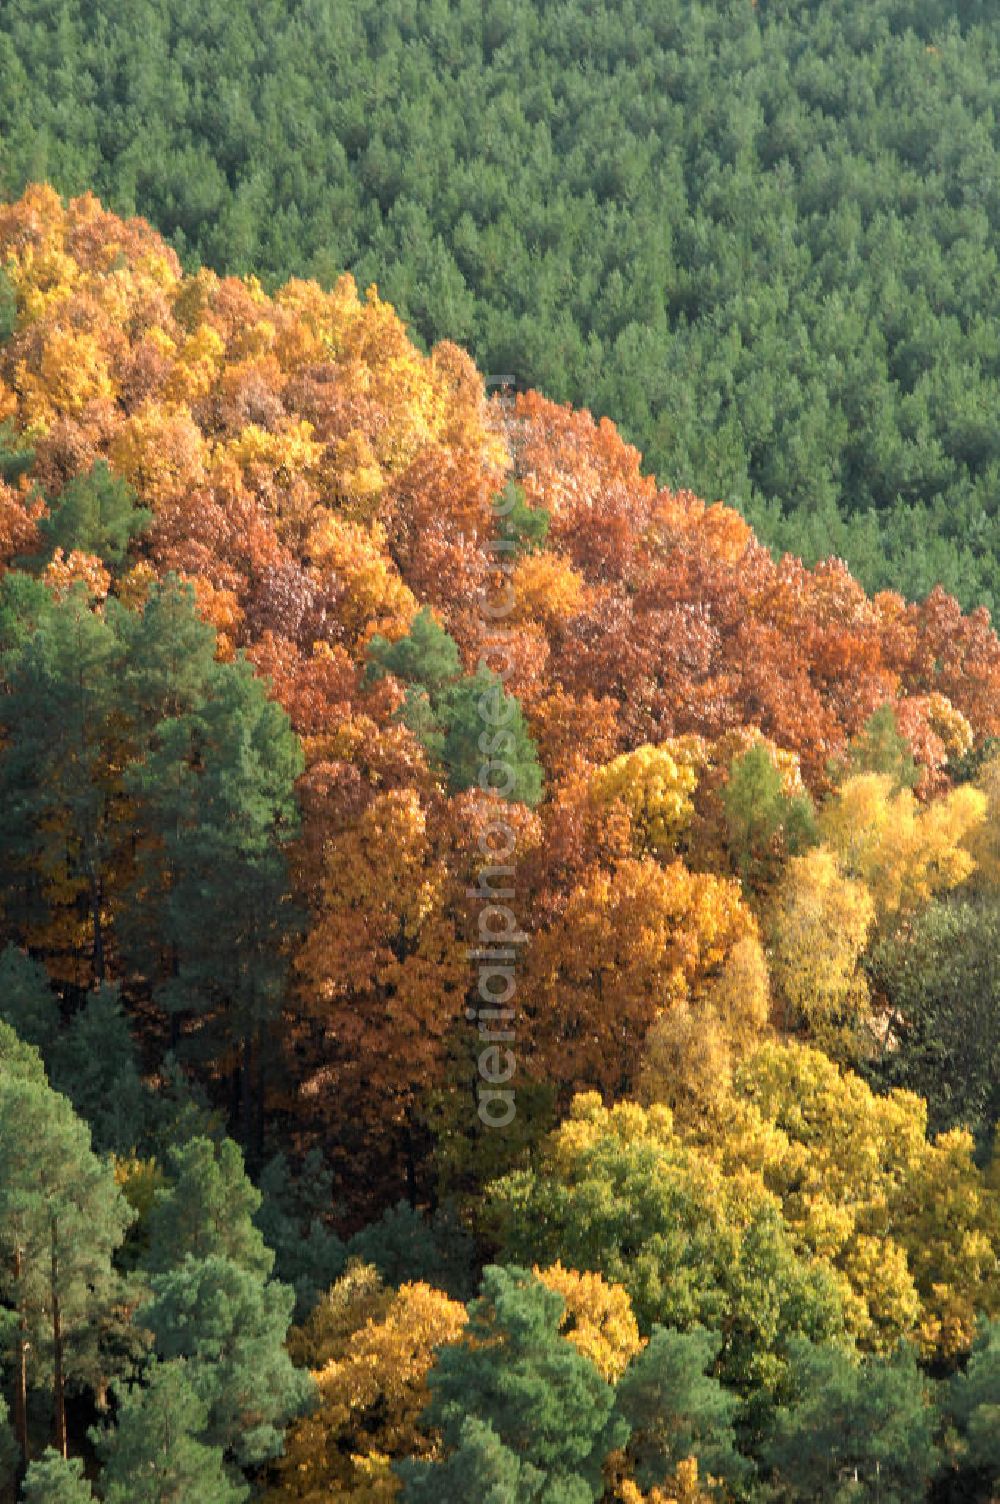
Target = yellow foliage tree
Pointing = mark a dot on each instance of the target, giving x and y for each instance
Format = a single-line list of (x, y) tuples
[(383, 970), (910, 1223), (599, 1320), (197, 365), (290, 452), (819, 926), (654, 785), (377, 1349), (72, 371), (689, 1051), (629, 945), (682, 1487), (355, 476), (159, 451), (983, 842), (375, 599), (43, 273), (686, 1062), (357, 1297), (547, 588), (903, 852)]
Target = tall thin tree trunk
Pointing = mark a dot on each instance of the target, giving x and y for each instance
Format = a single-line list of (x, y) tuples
[(235, 1089), (95, 908), (21, 1370), (260, 1055), (59, 1375), (174, 971), (246, 1095), (411, 1169)]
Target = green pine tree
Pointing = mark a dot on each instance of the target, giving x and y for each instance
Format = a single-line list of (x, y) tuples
[(426, 656), (482, 1467), (403, 1245), (156, 1455), (95, 1063), (24, 602), (52, 1479), (62, 1217), (217, 793), (677, 1408), (292, 1215), (27, 1001), (474, 731), (879, 748), (9, 1453), (526, 527), (61, 791), (545, 1403), (760, 815), (8, 307), (864, 1426), (207, 1210), (488, 744), (168, 657), (15, 459), (972, 1400), (96, 513), (230, 1325)]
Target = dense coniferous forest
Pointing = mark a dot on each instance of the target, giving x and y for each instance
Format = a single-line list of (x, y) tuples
[(760, 236), (497, 985)]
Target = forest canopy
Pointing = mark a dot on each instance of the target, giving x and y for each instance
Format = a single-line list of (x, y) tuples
[(275, 584), (760, 236)]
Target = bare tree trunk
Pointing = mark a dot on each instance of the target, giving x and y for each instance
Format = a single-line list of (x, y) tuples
[(246, 1096), (411, 1169), (59, 1376), (260, 1053), (21, 1372), (95, 908)]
